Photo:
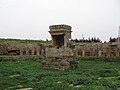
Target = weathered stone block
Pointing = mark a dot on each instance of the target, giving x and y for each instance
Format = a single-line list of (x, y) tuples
[(58, 58)]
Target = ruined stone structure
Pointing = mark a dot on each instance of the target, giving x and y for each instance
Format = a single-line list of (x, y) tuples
[(21, 51), (62, 51), (98, 50), (60, 56), (61, 34)]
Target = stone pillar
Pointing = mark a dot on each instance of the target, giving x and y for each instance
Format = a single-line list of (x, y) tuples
[(27, 52), (83, 53), (38, 53), (52, 40), (109, 53), (68, 37), (76, 50), (33, 51), (21, 52), (117, 52), (99, 53), (42, 52), (65, 41)]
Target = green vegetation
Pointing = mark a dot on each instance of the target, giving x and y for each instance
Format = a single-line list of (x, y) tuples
[(17, 41), (92, 75)]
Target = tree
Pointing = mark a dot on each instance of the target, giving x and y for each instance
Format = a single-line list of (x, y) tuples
[(112, 39)]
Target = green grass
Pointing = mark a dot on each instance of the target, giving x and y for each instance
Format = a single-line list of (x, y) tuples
[(92, 75), (18, 41)]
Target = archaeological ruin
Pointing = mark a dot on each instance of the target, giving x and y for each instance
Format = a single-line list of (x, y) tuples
[(61, 51), (60, 56), (61, 34)]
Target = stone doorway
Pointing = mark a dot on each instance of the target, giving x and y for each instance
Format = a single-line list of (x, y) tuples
[(58, 40)]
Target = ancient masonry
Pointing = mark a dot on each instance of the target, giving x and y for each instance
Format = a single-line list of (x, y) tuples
[(61, 34), (60, 56), (98, 50), (60, 49)]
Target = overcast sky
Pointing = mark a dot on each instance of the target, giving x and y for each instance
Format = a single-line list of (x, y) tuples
[(30, 19)]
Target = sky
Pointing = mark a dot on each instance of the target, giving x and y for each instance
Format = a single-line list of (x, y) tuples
[(30, 19)]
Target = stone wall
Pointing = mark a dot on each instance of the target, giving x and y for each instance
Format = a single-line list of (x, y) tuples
[(21, 51), (82, 50), (98, 50)]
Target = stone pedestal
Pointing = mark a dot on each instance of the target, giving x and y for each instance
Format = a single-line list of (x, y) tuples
[(60, 59)]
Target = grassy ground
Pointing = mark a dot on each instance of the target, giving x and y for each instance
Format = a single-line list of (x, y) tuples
[(18, 41), (92, 75)]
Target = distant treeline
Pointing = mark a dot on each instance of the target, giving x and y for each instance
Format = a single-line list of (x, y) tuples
[(112, 39), (89, 40)]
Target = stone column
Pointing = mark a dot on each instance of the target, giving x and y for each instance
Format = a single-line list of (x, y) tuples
[(21, 52), (83, 53), (76, 50), (109, 53), (52, 40), (99, 53), (27, 52), (38, 53), (117, 52), (65, 42), (42, 52), (33, 51)]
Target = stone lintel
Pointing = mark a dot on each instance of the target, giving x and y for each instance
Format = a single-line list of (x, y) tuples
[(61, 26), (59, 32)]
